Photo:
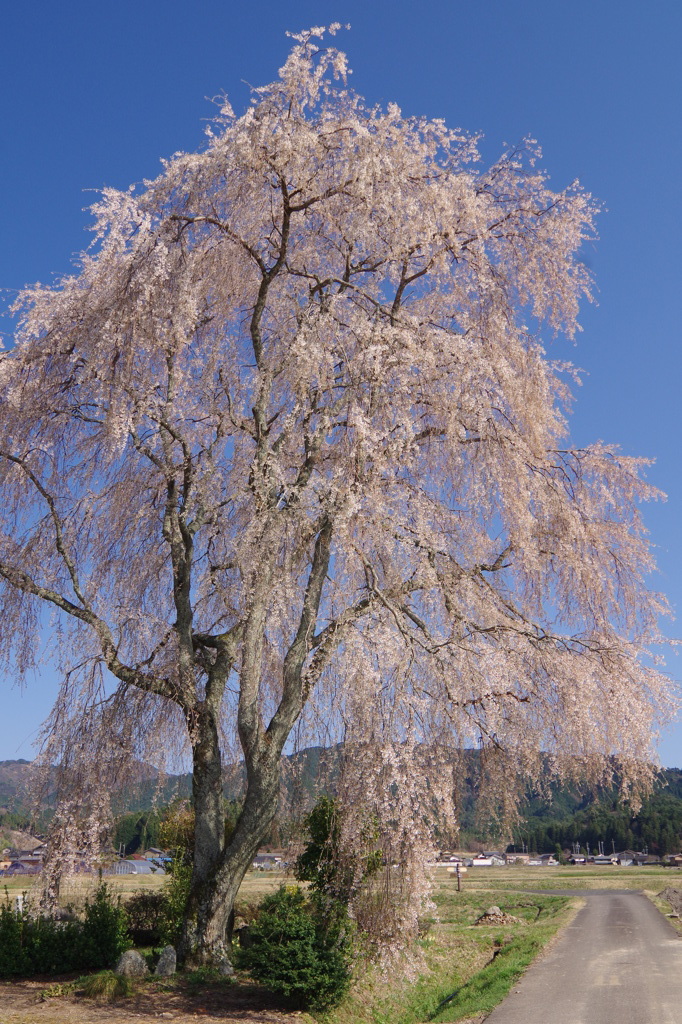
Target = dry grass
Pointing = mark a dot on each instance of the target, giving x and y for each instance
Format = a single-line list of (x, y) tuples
[(588, 877), (77, 888)]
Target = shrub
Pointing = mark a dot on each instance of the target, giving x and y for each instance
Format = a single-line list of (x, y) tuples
[(147, 914), (13, 959), (298, 952), (41, 945), (51, 946), (175, 896), (104, 930)]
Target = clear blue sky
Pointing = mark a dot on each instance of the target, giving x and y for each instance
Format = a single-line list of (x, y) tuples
[(94, 94)]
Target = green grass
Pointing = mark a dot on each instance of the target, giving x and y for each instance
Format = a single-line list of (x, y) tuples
[(467, 969), (487, 988), (104, 987)]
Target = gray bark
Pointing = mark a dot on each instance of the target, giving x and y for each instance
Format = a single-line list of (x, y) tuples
[(219, 869), (205, 938)]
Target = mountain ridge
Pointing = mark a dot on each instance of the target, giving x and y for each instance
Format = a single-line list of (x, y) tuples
[(568, 815)]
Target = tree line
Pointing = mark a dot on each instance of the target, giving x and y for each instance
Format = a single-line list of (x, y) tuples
[(569, 818)]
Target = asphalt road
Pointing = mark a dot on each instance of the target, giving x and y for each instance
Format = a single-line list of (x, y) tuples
[(618, 962)]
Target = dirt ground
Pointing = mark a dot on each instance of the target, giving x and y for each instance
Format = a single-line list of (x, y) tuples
[(21, 1003)]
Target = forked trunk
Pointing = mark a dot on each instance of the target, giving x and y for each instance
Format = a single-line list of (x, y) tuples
[(216, 879)]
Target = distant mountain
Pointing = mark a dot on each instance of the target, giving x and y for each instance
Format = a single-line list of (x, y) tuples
[(569, 815), (302, 775), (15, 780)]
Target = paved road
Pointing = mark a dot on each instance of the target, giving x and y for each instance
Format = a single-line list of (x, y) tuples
[(618, 962)]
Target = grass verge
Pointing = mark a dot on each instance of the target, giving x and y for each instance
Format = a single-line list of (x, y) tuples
[(481, 993), (467, 968), (662, 905)]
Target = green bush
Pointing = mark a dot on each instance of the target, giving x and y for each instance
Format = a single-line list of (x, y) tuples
[(155, 918), (42, 945), (175, 896), (13, 959), (332, 872), (297, 951), (104, 929), (147, 913)]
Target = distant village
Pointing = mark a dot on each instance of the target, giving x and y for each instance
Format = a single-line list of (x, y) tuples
[(627, 858), (155, 861)]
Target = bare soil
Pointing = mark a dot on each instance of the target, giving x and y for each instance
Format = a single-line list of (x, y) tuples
[(674, 898), (22, 1002)]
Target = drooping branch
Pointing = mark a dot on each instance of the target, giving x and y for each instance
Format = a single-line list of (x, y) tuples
[(60, 543), (144, 681)]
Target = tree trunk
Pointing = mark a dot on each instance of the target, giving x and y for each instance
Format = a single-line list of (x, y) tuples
[(207, 791), (205, 938), (209, 818)]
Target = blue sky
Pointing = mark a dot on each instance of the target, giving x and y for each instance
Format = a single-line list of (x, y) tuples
[(95, 94)]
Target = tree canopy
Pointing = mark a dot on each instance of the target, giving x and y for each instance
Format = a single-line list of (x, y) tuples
[(287, 450)]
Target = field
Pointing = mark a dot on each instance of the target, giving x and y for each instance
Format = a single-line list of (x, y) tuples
[(75, 889), (460, 972), (587, 877)]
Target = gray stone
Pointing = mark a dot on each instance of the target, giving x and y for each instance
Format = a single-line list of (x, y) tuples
[(132, 964), (167, 963)]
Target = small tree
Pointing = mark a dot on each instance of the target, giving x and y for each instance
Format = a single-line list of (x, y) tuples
[(333, 871), (298, 952), (288, 439)]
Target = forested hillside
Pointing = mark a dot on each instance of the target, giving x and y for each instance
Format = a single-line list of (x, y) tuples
[(568, 816), (588, 819)]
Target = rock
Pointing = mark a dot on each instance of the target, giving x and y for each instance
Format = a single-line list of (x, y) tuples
[(167, 963), (494, 915), (225, 968), (131, 964), (674, 898)]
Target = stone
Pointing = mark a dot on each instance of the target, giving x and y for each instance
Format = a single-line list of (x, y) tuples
[(131, 964), (495, 916), (167, 963)]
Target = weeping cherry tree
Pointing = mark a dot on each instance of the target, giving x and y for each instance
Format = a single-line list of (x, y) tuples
[(286, 451)]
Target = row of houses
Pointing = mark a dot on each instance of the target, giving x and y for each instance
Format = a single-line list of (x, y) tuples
[(152, 861), (30, 862), (625, 859)]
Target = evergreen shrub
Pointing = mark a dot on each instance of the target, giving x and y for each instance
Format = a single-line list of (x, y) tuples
[(148, 914), (41, 945), (298, 951)]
